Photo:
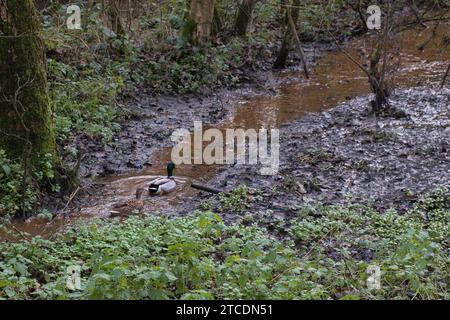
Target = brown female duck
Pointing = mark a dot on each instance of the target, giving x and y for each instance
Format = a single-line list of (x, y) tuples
[(133, 206)]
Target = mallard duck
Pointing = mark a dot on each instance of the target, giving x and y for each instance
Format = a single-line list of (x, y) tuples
[(130, 207), (162, 186)]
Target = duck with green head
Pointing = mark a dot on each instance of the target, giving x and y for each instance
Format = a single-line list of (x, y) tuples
[(161, 186)]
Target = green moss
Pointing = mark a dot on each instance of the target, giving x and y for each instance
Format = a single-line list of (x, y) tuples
[(25, 113)]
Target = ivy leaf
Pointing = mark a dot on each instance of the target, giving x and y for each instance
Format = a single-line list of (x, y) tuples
[(21, 269), (170, 276), (6, 169), (10, 292)]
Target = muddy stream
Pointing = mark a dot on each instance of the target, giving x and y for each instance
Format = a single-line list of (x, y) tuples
[(334, 78)]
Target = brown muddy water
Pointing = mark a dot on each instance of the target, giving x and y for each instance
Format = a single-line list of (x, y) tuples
[(334, 79)]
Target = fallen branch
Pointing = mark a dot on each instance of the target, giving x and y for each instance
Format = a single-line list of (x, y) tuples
[(205, 188), (71, 198)]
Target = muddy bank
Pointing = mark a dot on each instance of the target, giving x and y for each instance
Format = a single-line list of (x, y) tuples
[(326, 156), (271, 100), (149, 119), (148, 125), (340, 156), (347, 155)]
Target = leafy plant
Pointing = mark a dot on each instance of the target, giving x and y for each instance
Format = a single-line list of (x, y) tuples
[(236, 200), (325, 255)]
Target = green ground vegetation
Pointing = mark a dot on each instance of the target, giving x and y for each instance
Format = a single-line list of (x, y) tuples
[(324, 254)]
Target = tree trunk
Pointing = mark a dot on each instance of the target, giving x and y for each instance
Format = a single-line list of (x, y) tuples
[(280, 62), (26, 124), (199, 27), (244, 17), (377, 71), (116, 22), (376, 82)]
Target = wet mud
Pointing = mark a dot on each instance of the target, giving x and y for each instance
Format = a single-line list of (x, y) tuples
[(332, 149)]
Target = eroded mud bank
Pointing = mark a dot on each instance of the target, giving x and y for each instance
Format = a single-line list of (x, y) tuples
[(348, 155)]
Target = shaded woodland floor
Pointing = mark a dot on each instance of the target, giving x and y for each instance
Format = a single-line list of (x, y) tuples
[(354, 189)]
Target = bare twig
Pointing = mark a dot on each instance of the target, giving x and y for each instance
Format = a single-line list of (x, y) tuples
[(433, 34), (19, 233), (415, 10), (358, 64), (297, 41)]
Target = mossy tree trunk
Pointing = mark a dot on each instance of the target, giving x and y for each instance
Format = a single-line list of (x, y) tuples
[(283, 54), (244, 17), (26, 123), (199, 25)]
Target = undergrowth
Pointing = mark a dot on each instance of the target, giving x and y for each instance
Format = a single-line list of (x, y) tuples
[(201, 257)]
